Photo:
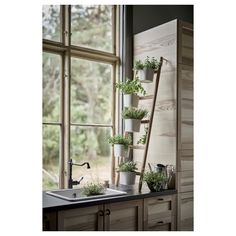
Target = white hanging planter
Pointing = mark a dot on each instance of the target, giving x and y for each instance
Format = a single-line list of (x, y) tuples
[(132, 125), (119, 150), (146, 75), (131, 100), (127, 178)]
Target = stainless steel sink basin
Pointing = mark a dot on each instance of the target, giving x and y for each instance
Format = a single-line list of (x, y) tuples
[(76, 195)]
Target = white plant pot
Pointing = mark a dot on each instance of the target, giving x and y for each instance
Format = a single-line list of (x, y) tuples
[(119, 150), (127, 178), (146, 75), (132, 125), (131, 100)]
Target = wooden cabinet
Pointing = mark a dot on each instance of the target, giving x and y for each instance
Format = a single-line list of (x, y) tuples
[(81, 219), (124, 216), (120, 216), (159, 213), (172, 131), (50, 221)]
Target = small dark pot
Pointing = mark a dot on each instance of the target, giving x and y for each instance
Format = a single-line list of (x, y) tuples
[(155, 187)]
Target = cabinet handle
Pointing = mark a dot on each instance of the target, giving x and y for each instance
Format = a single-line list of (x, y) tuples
[(101, 213), (160, 222), (160, 199), (108, 212)]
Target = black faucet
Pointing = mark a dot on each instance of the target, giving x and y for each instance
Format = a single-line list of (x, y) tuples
[(72, 182)]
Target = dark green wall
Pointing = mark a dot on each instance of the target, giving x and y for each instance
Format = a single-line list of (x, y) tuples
[(148, 16)]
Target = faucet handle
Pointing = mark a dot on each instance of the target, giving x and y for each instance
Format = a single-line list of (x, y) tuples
[(80, 179)]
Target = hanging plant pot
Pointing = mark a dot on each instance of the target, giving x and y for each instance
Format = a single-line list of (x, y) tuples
[(146, 75), (132, 125), (131, 100), (119, 150), (127, 178)]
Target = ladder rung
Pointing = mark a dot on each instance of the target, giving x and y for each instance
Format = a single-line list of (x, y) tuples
[(137, 147), (145, 121), (146, 97)]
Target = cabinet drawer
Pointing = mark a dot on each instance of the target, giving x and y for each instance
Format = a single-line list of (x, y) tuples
[(159, 213), (163, 224)]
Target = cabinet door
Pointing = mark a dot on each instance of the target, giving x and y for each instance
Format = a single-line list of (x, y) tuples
[(50, 221), (185, 212), (81, 219), (124, 216), (160, 213)]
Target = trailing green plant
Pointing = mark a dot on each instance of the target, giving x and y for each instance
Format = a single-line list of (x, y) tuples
[(155, 180), (131, 87), (128, 166), (91, 189), (148, 63), (119, 139), (134, 113), (143, 139)]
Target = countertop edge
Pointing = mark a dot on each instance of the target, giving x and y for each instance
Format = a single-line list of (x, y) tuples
[(66, 205)]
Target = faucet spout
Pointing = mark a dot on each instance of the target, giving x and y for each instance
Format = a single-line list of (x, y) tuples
[(72, 182)]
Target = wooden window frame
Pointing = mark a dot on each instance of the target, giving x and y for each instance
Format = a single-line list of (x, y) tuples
[(67, 51)]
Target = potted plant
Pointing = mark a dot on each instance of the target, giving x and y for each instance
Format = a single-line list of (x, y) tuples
[(156, 181), (130, 89), (146, 69), (127, 172), (120, 144), (133, 117), (92, 189)]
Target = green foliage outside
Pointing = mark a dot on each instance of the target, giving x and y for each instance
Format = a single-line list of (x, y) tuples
[(91, 89), (134, 113)]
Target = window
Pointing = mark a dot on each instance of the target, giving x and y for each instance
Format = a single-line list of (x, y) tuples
[(79, 72)]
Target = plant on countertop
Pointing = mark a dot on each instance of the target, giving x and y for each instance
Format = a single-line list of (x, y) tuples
[(143, 139), (128, 166), (119, 139), (134, 113), (91, 189), (148, 63), (131, 87), (155, 180)]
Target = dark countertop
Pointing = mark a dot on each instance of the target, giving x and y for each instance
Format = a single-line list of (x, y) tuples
[(51, 203)]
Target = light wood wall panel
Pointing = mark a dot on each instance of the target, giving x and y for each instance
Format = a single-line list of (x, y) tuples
[(185, 214), (156, 42)]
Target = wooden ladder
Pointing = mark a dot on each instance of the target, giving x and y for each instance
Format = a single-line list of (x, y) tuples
[(149, 122)]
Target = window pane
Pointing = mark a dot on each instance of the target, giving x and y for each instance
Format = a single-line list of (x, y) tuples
[(51, 87), (91, 92), (91, 26), (51, 153), (90, 144), (51, 22)]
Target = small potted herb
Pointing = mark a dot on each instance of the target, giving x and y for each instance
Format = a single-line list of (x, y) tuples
[(92, 189), (130, 89), (133, 117), (146, 69), (120, 144), (127, 172), (155, 180)]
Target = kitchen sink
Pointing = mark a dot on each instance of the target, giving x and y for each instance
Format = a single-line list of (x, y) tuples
[(76, 194)]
